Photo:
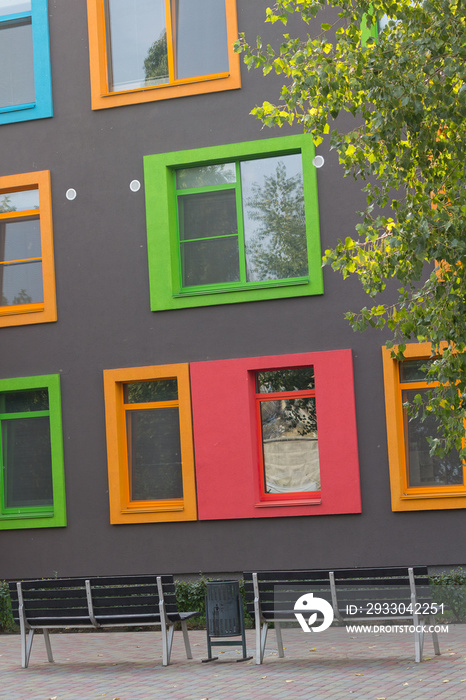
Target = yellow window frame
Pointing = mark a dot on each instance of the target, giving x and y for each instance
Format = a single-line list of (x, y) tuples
[(403, 496), (102, 97), (122, 508), (46, 311)]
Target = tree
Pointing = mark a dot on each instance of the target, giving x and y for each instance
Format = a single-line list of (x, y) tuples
[(405, 87)]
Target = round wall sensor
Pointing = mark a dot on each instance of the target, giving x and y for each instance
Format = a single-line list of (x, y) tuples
[(71, 194), (134, 185), (318, 161)]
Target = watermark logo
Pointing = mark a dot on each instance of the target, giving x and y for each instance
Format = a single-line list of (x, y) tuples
[(308, 603)]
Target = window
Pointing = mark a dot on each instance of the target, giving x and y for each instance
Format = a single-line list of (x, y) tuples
[(25, 79), (149, 441), (275, 436), (418, 481), (287, 421), (233, 223), (27, 277), (31, 453), (148, 50)]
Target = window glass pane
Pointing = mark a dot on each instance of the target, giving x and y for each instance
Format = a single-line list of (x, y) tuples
[(154, 454), (19, 240), (206, 176), (411, 370), (11, 7), (21, 401), (138, 43), (21, 283), (201, 38), (423, 469), (146, 392), (274, 221), (210, 262), (27, 462), (296, 379), (17, 64), (19, 201), (290, 448), (207, 214)]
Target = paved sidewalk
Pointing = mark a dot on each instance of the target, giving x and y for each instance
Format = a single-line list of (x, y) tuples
[(332, 665)]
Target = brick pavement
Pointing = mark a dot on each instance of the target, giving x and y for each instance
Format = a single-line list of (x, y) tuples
[(333, 665)]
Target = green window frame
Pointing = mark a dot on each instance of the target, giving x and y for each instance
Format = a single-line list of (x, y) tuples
[(33, 406), (171, 286)]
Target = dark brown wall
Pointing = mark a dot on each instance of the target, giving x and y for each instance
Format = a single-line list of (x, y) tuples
[(104, 321)]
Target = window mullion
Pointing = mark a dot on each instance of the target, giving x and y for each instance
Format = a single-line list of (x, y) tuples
[(170, 19), (240, 224), (179, 227), (2, 474)]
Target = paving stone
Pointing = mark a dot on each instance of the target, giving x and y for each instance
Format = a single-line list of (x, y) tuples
[(333, 665)]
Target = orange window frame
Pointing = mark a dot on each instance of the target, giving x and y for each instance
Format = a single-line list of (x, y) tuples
[(102, 97), (46, 311), (309, 497), (122, 508), (403, 496)]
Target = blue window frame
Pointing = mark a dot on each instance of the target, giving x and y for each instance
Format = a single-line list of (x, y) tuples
[(25, 78)]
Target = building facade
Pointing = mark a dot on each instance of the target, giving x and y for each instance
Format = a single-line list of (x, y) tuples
[(179, 389)]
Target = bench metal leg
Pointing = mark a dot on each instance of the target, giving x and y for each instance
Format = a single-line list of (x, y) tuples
[(187, 645), (48, 646), (26, 645), (278, 632), (167, 642), (434, 636), (418, 643), (261, 637)]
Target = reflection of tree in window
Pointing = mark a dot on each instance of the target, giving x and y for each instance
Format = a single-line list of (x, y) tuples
[(277, 249), (156, 63), (425, 469), (5, 205), (288, 430)]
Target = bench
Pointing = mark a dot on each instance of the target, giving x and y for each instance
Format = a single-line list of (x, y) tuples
[(97, 603), (355, 595)]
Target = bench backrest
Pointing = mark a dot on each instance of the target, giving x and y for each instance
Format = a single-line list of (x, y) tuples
[(279, 590), (130, 596), (363, 588), (66, 601), (52, 599), (384, 592)]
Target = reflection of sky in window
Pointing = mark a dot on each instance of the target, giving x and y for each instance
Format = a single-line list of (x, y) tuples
[(21, 282), (134, 26), (16, 63), (11, 7), (19, 201), (21, 240), (206, 176), (201, 40)]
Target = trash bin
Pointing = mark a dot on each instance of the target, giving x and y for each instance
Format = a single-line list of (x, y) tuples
[(224, 616)]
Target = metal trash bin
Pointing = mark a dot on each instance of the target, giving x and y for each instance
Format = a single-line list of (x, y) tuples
[(224, 616)]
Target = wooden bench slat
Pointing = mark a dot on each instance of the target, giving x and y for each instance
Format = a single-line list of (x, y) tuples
[(55, 583)]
